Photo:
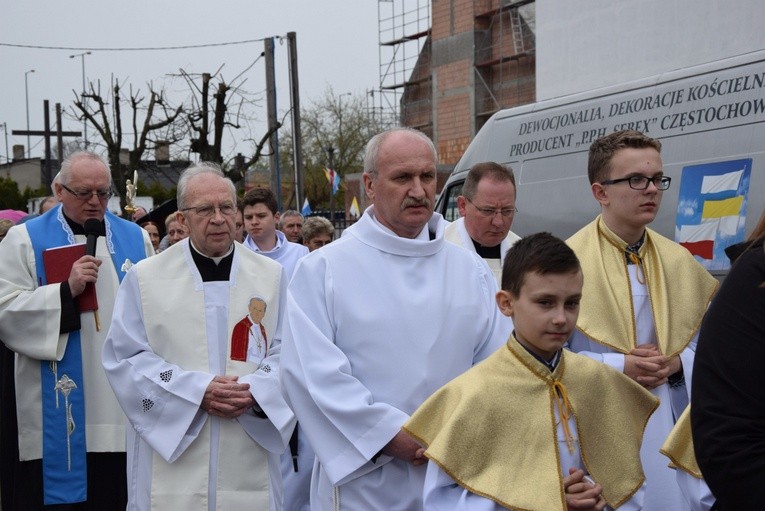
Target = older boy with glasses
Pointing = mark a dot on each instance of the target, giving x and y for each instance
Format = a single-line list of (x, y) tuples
[(644, 295)]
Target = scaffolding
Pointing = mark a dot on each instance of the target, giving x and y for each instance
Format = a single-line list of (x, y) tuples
[(505, 56), (404, 59), (503, 48)]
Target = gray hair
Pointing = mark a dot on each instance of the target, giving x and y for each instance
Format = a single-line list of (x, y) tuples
[(5, 226), (203, 167), (315, 225), (57, 179), (169, 219), (65, 174), (288, 213), (374, 144)]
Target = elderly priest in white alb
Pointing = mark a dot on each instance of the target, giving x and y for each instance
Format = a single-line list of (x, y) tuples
[(71, 439), (208, 419), (377, 321)]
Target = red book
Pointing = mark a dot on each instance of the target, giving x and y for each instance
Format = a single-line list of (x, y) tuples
[(58, 264)]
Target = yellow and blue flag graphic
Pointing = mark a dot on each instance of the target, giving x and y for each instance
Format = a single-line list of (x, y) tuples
[(711, 209)]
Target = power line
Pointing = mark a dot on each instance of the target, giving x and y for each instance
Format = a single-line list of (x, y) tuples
[(155, 48)]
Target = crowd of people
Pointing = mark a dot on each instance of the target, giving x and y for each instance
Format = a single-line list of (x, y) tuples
[(238, 357)]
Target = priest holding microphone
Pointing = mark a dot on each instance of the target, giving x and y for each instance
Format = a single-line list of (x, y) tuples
[(71, 429)]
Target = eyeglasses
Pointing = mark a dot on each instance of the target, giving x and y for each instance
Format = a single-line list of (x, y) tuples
[(208, 210), (491, 212), (642, 182), (84, 196)]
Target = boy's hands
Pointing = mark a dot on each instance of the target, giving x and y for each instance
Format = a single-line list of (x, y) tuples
[(648, 367), (581, 494)]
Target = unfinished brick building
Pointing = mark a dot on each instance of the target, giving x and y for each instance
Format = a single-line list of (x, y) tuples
[(447, 65)]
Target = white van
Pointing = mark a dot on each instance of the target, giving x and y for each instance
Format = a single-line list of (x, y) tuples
[(709, 118)]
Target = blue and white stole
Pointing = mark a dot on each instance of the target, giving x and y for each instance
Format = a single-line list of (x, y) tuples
[(63, 392)]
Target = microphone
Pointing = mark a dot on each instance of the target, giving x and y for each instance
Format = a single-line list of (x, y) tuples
[(92, 231)]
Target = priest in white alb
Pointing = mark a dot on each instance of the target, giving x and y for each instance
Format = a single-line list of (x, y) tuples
[(487, 209), (208, 420), (378, 320), (71, 438)]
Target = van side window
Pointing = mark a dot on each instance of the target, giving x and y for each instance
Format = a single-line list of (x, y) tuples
[(451, 212)]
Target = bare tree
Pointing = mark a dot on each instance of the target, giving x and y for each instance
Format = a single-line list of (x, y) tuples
[(230, 108), (149, 121), (337, 121), (199, 114), (69, 147)]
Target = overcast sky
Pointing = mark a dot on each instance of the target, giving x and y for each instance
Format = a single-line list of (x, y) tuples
[(337, 46)]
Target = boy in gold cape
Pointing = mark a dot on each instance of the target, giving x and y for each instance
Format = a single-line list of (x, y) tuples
[(678, 447), (534, 427), (644, 295)]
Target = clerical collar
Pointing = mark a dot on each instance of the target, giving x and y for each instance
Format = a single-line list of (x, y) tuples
[(633, 249), (551, 364), (494, 252), (79, 229), (213, 269)]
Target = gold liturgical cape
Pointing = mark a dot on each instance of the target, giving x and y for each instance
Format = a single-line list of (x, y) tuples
[(679, 446), (679, 287), (493, 429)]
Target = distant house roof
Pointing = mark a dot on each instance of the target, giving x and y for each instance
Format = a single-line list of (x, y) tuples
[(165, 173), (149, 173)]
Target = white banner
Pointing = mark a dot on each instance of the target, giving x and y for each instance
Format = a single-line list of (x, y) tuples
[(705, 231), (729, 225), (722, 183)]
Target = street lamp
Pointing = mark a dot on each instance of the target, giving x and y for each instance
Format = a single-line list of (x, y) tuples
[(84, 99), (26, 93)]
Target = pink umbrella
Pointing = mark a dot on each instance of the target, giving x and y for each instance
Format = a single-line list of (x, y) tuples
[(12, 214)]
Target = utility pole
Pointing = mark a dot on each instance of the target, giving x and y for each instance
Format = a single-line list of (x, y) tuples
[(273, 141), (297, 146), (5, 130)]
